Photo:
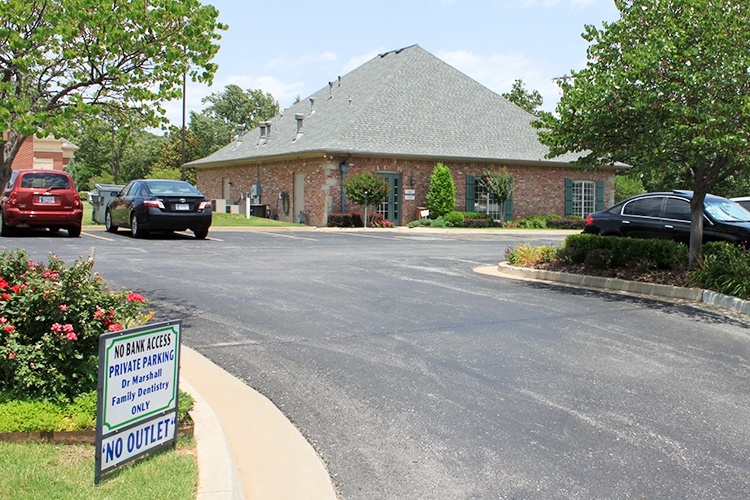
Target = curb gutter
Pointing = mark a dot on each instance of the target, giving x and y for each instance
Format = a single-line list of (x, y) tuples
[(674, 292)]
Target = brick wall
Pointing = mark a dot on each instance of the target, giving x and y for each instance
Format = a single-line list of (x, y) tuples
[(538, 190)]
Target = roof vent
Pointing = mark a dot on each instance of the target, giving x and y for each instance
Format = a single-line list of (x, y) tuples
[(330, 90), (268, 131), (240, 131), (262, 126), (312, 105)]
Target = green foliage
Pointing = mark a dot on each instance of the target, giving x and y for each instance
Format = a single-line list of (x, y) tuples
[(528, 255), (665, 90), (627, 186), (665, 254), (725, 269), (531, 101), (71, 60), (531, 222), (454, 219), (51, 317), (345, 220), (438, 222), (499, 186), (441, 195), (366, 189), (166, 173)]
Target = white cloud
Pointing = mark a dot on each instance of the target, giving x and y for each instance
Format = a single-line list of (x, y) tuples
[(357, 61)]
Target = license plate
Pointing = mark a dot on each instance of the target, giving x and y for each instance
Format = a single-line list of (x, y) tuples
[(182, 206), (46, 199)]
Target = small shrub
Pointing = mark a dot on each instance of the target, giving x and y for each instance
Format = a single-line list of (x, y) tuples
[(51, 317), (441, 193), (454, 219), (528, 255), (667, 254), (474, 223), (600, 258), (532, 222), (378, 220), (567, 223), (725, 269), (353, 219)]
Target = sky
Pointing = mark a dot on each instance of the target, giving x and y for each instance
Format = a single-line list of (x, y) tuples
[(293, 48)]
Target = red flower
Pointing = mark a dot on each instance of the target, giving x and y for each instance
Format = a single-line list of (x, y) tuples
[(6, 296), (3, 284), (16, 288), (10, 328), (11, 355), (71, 336), (116, 327), (56, 327), (135, 297), (63, 307)]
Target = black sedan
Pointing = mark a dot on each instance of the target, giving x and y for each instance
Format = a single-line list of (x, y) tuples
[(146, 205), (667, 215)]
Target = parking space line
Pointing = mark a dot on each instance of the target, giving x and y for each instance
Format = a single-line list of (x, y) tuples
[(97, 236), (280, 235)]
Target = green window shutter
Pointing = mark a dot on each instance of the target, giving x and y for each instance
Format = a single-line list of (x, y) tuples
[(599, 196), (470, 184), (568, 197)]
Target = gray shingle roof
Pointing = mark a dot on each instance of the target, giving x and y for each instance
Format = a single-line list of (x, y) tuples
[(405, 103)]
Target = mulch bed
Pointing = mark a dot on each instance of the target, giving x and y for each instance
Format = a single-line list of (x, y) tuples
[(659, 276)]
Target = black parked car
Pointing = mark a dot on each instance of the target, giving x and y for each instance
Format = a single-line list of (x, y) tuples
[(667, 215), (146, 205)]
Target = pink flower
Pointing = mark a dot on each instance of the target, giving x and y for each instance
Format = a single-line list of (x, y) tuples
[(116, 327), (67, 328), (16, 288), (135, 297), (63, 307), (6, 296), (3, 320), (3, 284), (71, 336), (32, 365), (56, 327), (37, 347), (11, 355), (52, 275), (10, 328)]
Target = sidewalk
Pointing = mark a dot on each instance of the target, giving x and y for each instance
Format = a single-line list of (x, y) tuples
[(246, 447)]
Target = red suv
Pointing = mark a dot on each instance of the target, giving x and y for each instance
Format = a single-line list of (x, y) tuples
[(41, 198)]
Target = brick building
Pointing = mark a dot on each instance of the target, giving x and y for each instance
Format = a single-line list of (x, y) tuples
[(397, 116), (48, 153)]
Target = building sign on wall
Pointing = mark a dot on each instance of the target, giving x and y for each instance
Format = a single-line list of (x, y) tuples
[(137, 393)]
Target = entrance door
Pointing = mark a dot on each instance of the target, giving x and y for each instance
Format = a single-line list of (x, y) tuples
[(391, 209), (299, 198)]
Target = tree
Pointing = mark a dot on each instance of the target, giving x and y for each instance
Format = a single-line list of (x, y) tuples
[(217, 124), (441, 195), (666, 89), (366, 190), (499, 185), (627, 186), (518, 95), (61, 60)]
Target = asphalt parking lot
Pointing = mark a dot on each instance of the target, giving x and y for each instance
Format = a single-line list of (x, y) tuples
[(415, 377)]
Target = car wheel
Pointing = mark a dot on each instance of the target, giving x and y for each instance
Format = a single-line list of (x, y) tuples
[(135, 228), (74, 231), (5, 230), (200, 234), (108, 224)]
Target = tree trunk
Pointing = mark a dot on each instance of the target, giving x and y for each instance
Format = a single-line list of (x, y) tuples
[(696, 228), (8, 153)]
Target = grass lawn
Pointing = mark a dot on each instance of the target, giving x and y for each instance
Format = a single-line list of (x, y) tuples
[(41, 470), (219, 219)]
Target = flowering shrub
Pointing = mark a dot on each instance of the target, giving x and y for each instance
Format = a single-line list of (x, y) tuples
[(378, 220), (51, 317)]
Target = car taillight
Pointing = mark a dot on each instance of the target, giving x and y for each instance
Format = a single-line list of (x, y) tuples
[(205, 205), (589, 220), (153, 204), (77, 200), (13, 199)]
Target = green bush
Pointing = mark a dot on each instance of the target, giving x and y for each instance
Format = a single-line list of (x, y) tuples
[(725, 269), (567, 223), (441, 194), (666, 254), (532, 222), (527, 255), (455, 219), (353, 219), (51, 317)]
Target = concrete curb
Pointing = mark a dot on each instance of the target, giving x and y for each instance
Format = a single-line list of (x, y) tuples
[(217, 474), (615, 284), (271, 458)]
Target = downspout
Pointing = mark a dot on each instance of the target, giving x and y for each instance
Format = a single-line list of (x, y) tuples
[(344, 166)]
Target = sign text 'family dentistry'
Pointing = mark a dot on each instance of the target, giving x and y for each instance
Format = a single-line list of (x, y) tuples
[(138, 393)]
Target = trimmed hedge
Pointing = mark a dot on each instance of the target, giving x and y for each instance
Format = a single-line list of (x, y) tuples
[(664, 254), (353, 219)]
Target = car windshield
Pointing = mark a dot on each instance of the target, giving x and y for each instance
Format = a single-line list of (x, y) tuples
[(44, 180), (726, 211), (172, 188)]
